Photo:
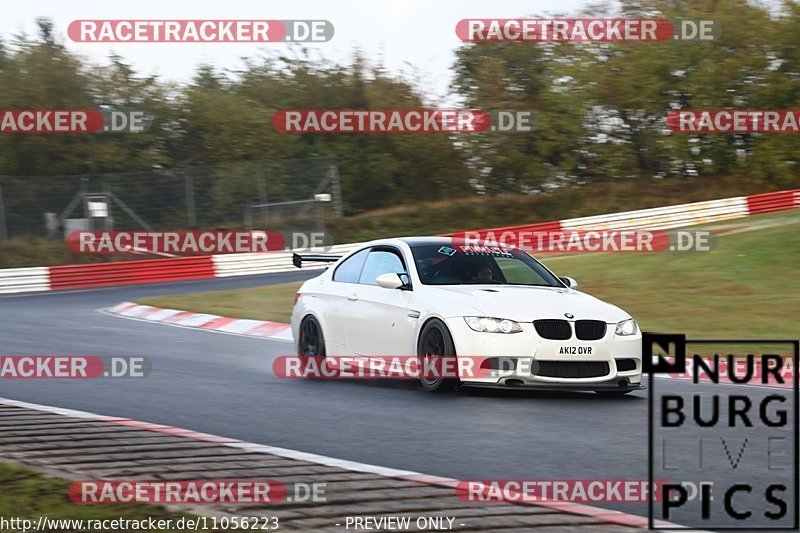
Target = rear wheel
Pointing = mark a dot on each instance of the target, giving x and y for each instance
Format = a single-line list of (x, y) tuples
[(311, 347), (311, 342), (434, 346)]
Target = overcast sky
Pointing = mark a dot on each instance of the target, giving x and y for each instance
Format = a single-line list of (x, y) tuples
[(410, 36)]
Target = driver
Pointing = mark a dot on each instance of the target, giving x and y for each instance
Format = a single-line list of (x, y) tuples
[(482, 273)]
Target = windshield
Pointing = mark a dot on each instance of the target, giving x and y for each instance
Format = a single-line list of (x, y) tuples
[(478, 265)]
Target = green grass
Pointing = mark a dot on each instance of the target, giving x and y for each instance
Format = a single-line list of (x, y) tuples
[(20, 252), (748, 286), (36, 251), (26, 494), (272, 303)]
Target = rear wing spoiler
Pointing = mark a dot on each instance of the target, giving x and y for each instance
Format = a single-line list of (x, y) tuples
[(297, 259)]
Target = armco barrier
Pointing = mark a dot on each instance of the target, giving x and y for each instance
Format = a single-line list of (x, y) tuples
[(24, 279), (125, 272), (189, 268), (244, 264), (772, 201), (662, 218)]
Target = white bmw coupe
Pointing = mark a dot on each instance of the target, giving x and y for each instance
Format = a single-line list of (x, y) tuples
[(432, 297)]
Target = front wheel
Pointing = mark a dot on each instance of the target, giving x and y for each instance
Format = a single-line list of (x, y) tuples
[(435, 342)]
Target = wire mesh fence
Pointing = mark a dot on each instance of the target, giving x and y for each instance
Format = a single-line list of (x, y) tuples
[(245, 194), (293, 215)]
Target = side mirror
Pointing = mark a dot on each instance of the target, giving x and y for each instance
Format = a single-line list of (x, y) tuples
[(389, 281), (569, 282)]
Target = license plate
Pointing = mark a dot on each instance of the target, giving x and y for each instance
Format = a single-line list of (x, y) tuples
[(575, 350)]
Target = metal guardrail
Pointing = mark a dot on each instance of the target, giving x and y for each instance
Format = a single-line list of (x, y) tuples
[(246, 264), (130, 272), (32, 279), (772, 201), (663, 218)]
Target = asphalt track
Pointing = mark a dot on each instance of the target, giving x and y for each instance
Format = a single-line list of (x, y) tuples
[(223, 384)]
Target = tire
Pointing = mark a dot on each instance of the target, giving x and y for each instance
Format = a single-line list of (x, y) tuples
[(311, 342), (435, 341), (613, 393)]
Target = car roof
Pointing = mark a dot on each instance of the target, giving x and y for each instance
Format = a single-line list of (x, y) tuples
[(422, 241), (409, 241), (414, 242)]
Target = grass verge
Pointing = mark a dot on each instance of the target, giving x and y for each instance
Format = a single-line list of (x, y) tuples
[(273, 303), (746, 287), (27, 495)]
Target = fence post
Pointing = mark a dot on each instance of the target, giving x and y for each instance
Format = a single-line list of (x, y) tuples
[(84, 190), (107, 221), (333, 173), (262, 191), (3, 227), (190, 212)]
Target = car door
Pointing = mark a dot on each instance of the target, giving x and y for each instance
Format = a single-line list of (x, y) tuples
[(334, 300), (377, 320)]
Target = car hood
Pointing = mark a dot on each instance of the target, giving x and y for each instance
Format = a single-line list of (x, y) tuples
[(526, 304)]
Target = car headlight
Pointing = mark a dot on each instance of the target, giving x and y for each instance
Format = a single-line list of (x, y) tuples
[(492, 325), (627, 327)]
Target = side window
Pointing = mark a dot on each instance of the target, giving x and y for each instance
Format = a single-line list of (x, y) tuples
[(349, 270), (380, 262)]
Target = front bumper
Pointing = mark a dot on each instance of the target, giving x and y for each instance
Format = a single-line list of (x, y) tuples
[(533, 385), (530, 353)]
